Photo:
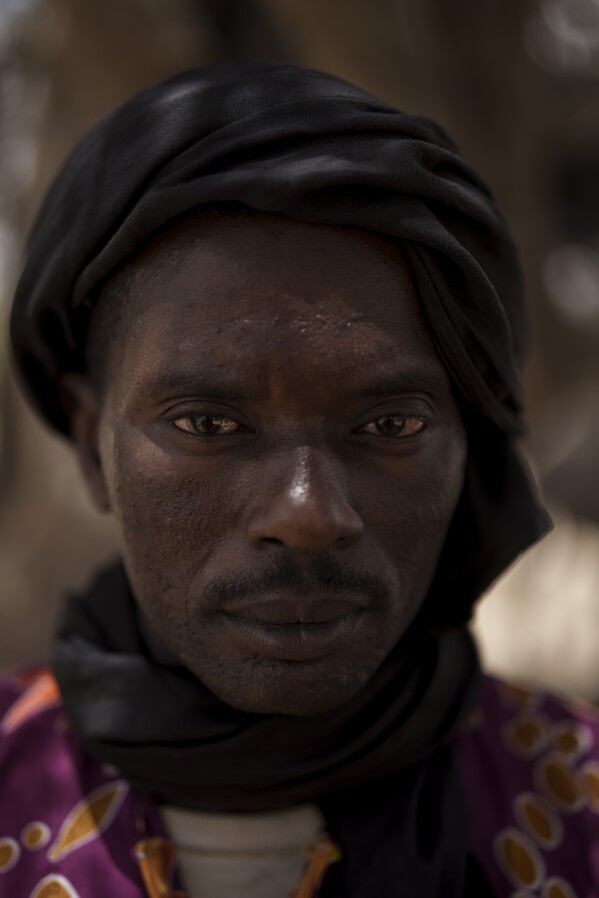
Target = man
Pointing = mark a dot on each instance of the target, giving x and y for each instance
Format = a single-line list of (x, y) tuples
[(281, 323)]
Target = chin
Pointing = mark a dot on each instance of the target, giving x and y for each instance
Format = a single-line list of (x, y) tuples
[(300, 689), (292, 706)]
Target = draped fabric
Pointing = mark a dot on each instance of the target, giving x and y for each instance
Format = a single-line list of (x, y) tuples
[(286, 140), (379, 766), (413, 703), (314, 148)]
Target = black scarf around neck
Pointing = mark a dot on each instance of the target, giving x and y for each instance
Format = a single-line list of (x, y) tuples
[(380, 767)]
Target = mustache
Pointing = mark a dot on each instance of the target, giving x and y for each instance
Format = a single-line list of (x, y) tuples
[(324, 575)]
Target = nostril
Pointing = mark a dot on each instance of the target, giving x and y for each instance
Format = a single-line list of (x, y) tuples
[(345, 542), (305, 533), (266, 542), (307, 510)]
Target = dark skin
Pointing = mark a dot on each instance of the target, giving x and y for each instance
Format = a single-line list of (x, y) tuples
[(281, 450)]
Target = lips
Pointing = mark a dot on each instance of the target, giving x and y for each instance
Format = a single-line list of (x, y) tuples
[(295, 641), (294, 629), (293, 610)]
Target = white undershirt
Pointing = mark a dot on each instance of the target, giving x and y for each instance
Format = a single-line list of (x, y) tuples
[(236, 855)]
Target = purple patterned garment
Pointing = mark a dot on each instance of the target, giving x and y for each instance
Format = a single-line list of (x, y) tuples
[(530, 766), (72, 828), (68, 825)]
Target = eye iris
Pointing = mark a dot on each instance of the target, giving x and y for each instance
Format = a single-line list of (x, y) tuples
[(391, 425), (206, 423)]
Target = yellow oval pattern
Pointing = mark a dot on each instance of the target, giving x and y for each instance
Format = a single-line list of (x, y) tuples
[(558, 888), (9, 854), (90, 817), (54, 886), (571, 739), (559, 784), (589, 778), (519, 859), (526, 735), (35, 835), (539, 820)]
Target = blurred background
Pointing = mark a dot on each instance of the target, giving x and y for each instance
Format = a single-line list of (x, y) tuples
[(516, 83)]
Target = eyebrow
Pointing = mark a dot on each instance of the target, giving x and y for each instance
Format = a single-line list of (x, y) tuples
[(218, 383), (227, 384), (414, 376)]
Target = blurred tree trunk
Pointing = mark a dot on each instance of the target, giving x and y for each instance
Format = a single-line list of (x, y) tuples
[(85, 58)]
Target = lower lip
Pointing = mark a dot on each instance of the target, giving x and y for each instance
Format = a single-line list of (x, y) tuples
[(296, 642)]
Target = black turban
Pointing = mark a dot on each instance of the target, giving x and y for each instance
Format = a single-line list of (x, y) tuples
[(310, 146), (314, 148), (286, 140)]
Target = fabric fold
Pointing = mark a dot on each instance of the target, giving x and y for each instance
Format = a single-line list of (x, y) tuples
[(278, 139), (380, 766)]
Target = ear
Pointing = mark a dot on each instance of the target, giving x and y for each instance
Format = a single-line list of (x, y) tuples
[(80, 400)]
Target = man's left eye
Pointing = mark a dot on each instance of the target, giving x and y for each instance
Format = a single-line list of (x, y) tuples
[(394, 426), (206, 425)]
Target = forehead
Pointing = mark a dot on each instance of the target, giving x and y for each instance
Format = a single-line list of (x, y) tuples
[(255, 287)]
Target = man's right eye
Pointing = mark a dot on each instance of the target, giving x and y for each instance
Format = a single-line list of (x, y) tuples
[(206, 425)]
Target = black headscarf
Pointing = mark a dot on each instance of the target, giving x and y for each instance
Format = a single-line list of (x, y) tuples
[(310, 146)]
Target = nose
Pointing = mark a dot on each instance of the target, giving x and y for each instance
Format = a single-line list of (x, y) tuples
[(306, 510)]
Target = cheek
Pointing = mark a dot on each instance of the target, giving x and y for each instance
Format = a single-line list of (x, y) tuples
[(174, 513), (169, 511), (416, 500)]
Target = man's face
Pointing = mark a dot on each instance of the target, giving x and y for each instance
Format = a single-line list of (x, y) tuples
[(282, 452)]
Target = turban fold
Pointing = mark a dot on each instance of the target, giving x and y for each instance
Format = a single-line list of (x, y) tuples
[(286, 140)]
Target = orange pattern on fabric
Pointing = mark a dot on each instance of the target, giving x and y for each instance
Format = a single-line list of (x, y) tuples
[(589, 776), (527, 734), (558, 783), (155, 859), (566, 781), (35, 835), (41, 693), (324, 853), (571, 739), (538, 818), (54, 886), (519, 859), (558, 888), (9, 854), (90, 817)]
